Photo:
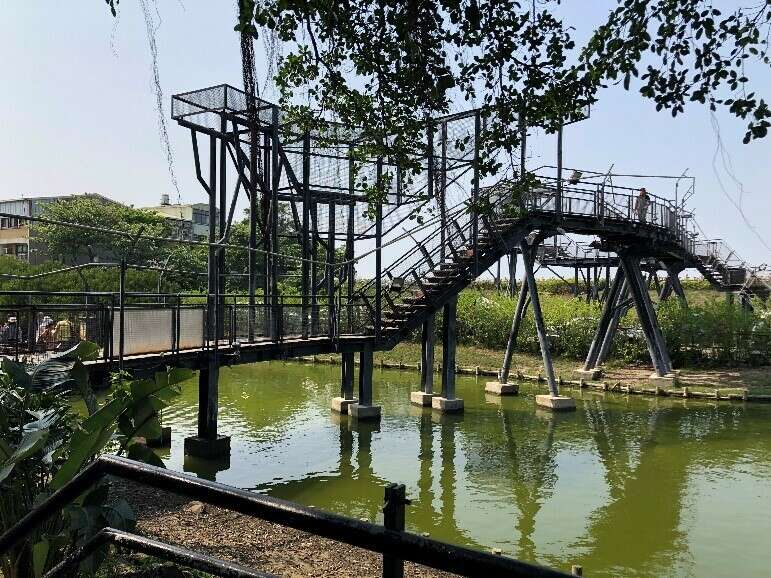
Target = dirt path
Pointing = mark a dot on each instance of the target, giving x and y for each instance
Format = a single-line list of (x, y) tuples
[(251, 542)]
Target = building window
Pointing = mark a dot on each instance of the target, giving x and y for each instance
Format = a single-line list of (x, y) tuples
[(9, 223), (200, 217), (21, 250)]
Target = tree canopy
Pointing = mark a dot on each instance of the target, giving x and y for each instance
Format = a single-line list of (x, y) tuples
[(73, 245), (386, 65)]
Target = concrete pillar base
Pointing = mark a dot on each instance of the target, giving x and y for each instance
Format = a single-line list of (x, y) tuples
[(421, 398), (497, 388), (164, 441), (447, 405), (206, 448), (341, 404), (556, 403), (364, 412), (590, 374), (663, 380)]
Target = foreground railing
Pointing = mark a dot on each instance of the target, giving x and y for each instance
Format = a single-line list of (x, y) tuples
[(391, 540)]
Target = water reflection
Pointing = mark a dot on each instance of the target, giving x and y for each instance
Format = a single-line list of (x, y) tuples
[(622, 486)]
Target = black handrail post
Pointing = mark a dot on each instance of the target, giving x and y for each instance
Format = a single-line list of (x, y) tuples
[(394, 519)]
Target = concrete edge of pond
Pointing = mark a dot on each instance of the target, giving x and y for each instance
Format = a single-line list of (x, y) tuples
[(615, 387)]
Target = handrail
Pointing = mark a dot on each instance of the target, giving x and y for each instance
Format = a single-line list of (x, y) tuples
[(398, 544), (156, 548)]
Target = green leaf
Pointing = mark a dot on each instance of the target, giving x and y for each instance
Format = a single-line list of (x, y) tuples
[(30, 443), (17, 373), (119, 515), (141, 453), (94, 434), (40, 557)]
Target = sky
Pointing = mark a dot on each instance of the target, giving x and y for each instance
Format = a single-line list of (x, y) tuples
[(78, 114)]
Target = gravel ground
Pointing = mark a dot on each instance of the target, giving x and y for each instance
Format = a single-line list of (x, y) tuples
[(248, 541)]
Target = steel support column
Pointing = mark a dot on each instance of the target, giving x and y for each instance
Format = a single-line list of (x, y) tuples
[(448, 347), (527, 257), (366, 367), (646, 314), (330, 266), (605, 320), (620, 307), (347, 370), (427, 355), (512, 273), (673, 280), (223, 174), (519, 313), (252, 264)]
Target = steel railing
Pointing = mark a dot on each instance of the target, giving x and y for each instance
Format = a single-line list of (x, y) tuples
[(395, 544)]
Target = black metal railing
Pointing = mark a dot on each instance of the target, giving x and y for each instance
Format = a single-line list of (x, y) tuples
[(36, 324), (395, 544)]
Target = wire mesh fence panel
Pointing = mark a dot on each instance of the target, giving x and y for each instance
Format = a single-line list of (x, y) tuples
[(190, 328), (37, 332), (145, 331)]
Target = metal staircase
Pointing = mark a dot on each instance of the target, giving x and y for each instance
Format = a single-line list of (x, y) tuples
[(439, 266)]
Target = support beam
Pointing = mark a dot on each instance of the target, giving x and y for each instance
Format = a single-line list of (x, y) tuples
[(223, 202), (512, 274), (620, 307), (423, 397), (646, 314), (502, 386), (590, 364), (341, 404), (673, 279), (552, 401), (447, 402), (364, 410), (252, 261), (208, 443)]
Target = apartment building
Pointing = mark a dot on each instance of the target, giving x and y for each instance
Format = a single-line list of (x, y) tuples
[(190, 221), (17, 236)]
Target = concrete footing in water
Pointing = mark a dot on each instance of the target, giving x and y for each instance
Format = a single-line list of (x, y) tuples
[(555, 402), (497, 388), (341, 404), (364, 412), (421, 398), (207, 448), (447, 405)]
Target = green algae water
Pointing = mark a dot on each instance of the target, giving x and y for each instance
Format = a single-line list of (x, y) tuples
[(624, 486)]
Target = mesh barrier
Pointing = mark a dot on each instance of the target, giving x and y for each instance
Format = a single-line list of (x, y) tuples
[(36, 332)]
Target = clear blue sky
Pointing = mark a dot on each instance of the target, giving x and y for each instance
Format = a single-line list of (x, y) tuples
[(77, 112)]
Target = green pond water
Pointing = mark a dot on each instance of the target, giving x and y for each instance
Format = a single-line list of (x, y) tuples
[(624, 486)]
